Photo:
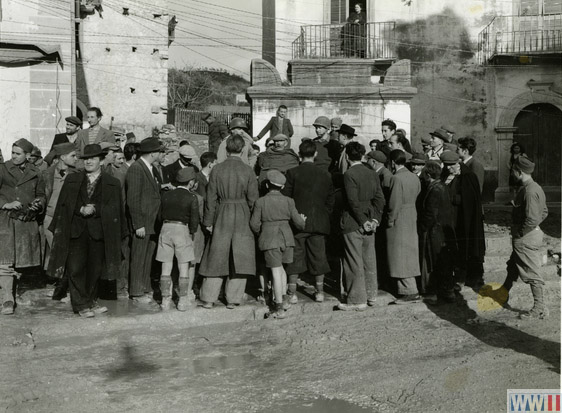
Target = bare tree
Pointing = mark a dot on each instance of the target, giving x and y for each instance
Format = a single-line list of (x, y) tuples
[(189, 88)]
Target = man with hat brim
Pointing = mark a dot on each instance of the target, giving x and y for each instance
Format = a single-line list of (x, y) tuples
[(450, 134), (187, 158), (529, 211), (95, 133), (231, 194), (143, 205), (328, 151), (90, 224), (217, 131), (180, 218), (438, 138), (468, 219), (402, 245), (238, 127), (22, 198), (73, 125), (278, 157), (346, 134), (271, 220), (54, 176), (362, 214), (313, 193), (417, 162), (36, 158), (278, 124)]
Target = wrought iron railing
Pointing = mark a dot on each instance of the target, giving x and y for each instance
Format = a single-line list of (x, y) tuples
[(346, 40), (513, 35)]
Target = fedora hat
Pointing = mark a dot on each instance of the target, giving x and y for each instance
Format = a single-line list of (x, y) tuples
[(91, 151), (149, 145), (347, 130)]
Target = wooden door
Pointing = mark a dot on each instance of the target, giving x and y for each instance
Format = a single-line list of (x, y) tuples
[(539, 130)]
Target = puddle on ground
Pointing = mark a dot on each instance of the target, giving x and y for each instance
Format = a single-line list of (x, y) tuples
[(320, 405)]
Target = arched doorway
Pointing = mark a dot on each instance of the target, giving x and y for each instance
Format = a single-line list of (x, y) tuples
[(539, 130)]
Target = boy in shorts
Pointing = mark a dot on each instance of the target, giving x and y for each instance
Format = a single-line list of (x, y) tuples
[(180, 217), (270, 218)]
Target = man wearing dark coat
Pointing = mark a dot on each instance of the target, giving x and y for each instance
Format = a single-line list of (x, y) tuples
[(143, 206), (466, 149), (230, 253), (311, 189), (279, 124), (364, 203), (88, 225), (464, 192), (22, 198), (217, 131), (208, 161), (437, 236), (73, 125)]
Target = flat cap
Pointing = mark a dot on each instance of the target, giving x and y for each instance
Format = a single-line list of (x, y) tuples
[(276, 177), (187, 151), (24, 144), (75, 120), (63, 148), (450, 146), (280, 137), (425, 140), (525, 164), (449, 157), (440, 133), (377, 156), (322, 121), (418, 158), (185, 175), (447, 128)]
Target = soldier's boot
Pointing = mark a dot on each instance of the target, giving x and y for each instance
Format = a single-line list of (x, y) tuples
[(166, 286), (183, 302), (539, 310)]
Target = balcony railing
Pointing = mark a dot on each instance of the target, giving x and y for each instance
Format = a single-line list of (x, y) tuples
[(359, 41), (520, 35)]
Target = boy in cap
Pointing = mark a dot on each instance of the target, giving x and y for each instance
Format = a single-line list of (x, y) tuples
[(270, 218), (22, 197), (335, 125), (180, 217), (438, 138), (36, 158)]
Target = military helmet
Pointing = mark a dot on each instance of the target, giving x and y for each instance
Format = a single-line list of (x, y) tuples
[(237, 123)]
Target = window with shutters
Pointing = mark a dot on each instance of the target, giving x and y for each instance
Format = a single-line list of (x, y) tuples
[(338, 11)]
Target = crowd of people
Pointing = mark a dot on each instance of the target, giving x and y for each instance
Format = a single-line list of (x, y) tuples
[(193, 231)]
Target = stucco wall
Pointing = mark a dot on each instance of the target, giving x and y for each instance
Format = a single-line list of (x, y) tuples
[(35, 99), (109, 69)]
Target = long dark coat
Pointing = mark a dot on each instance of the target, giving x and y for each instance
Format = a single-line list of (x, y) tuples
[(112, 220), (21, 244), (402, 242), (437, 233), (143, 198), (464, 193), (231, 193)]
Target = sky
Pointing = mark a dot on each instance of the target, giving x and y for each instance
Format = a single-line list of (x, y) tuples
[(222, 34)]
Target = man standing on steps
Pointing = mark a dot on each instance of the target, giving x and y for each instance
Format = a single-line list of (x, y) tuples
[(529, 211)]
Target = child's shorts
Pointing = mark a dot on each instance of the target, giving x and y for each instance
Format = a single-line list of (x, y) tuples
[(175, 239), (278, 256)]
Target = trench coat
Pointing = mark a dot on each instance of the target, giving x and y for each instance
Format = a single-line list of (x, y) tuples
[(21, 245), (402, 242), (231, 193), (112, 220)]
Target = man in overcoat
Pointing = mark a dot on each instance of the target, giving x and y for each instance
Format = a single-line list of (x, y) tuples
[(278, 124), (217, 131), (143, 205), (466, 149), (464, 192), (401, 231), (311, 189), (22, 198), (54, 177), (230, 252), (87, 228), (363, 207)]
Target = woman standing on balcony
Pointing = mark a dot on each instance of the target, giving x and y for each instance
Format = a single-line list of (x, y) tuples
[(353, 34)]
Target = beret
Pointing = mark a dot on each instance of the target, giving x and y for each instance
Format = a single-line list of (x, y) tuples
[(276, 177)]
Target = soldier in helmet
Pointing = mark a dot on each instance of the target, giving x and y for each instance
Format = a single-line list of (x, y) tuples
[(328, 150), (238, 127)]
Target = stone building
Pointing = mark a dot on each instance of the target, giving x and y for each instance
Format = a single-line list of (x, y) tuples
[(490, 69), (58, 59)]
